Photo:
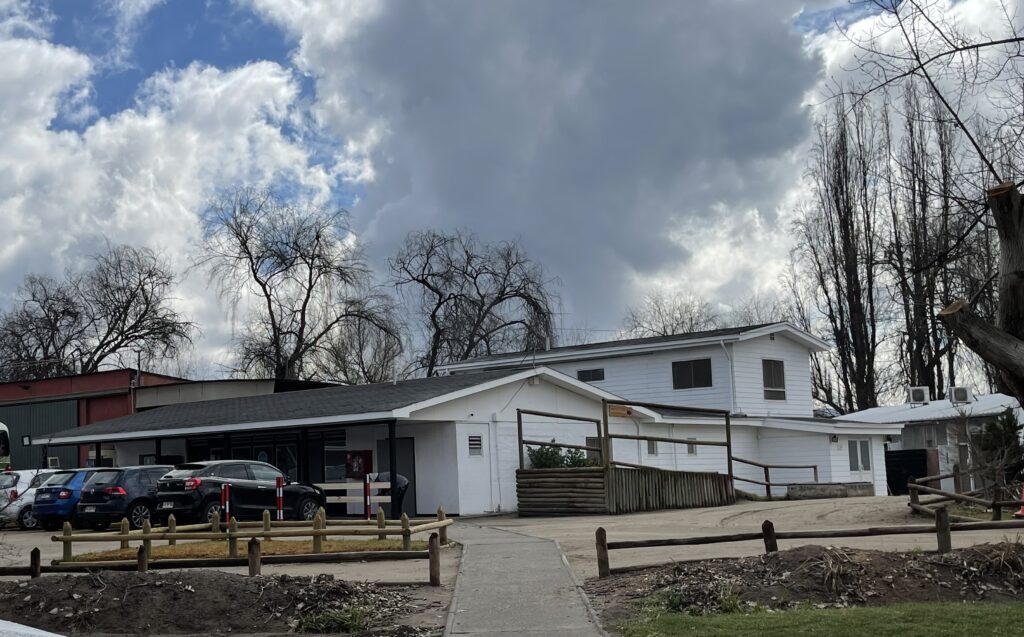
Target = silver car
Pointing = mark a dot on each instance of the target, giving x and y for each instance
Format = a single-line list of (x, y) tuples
[(17, 492)]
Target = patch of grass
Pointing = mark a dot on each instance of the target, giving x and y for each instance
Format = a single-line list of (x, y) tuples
[(898, 620), (978, 513), (336, 621), (216, 548)]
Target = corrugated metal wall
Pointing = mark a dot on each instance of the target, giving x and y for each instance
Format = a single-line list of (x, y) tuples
[(35, 420)]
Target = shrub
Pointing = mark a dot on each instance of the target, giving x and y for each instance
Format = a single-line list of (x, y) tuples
[(545, 457)]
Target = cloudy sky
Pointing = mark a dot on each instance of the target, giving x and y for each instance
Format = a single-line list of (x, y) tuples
[(629, 145)]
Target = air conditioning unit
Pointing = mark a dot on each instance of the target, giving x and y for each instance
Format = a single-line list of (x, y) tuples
[(918, 395), (52, 462), (961, 395)]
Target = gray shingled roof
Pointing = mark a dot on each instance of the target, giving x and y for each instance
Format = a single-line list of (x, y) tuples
[(345, 400)]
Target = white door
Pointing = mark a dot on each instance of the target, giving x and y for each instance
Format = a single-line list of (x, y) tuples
[(860, 460)]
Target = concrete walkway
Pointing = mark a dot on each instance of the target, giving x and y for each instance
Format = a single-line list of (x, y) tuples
[(511, 584)]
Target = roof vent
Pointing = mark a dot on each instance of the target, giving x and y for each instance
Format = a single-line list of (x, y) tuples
[(961, 395), (917, 395)]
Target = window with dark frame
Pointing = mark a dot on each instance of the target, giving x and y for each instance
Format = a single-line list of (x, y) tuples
[(691, 374), (774, 375), (652, 447), (691, 450), (590, 375)]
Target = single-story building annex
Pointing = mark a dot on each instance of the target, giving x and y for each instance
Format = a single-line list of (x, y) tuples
[(455, 437)]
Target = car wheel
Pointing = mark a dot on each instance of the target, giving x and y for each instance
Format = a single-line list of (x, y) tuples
[(209, 510), (99, 526), (138, 513), (27, 520), (307, 509)]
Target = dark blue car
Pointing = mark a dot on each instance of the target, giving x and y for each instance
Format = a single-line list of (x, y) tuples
[(57, 500)]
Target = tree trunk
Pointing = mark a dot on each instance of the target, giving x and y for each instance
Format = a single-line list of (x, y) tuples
[(1001, 344)]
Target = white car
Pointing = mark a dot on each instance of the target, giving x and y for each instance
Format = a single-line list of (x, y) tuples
[(17, 492)]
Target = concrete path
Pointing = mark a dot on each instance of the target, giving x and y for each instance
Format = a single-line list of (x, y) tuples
[(511, 584)]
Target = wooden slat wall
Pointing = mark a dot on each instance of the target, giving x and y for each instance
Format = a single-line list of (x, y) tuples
[(617, 490)]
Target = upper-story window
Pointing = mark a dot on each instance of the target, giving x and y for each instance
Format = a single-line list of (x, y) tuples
[(690, 374), (590, 375), (774, 373)]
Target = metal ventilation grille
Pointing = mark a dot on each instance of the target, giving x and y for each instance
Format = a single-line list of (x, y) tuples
[(476, 445)]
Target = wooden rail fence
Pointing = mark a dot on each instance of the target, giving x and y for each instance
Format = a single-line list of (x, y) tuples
[(942, 530), (767, 483), (996, 502)]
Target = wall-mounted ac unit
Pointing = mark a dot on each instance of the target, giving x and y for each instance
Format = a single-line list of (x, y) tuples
[(918, 395), (52, 462), (961, 395)]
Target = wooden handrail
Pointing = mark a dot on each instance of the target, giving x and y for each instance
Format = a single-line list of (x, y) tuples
[(561, 445), (678, 441), (775, 466)]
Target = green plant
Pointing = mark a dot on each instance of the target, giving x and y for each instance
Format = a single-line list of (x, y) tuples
[(576, 458), (545, 457), (345, 620)]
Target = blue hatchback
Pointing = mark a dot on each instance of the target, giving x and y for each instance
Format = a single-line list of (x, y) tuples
[(57, 499)]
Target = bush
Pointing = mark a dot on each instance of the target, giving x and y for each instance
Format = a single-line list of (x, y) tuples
[(555, 458)]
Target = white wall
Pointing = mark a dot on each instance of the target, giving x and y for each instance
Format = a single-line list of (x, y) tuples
[(648, 377), (841, 461), (747, 357), (781, 446)]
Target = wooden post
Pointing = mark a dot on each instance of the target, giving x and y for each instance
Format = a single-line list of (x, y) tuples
[(606, 443), (232, 537), (35, 563), (443, 531), (815, 473), (381, 522), (125, 530), (915, 497), (771, 545), (318, 540), (406, 534), (266, 524), (215, 522), (142, 560), (767, 487), (147, 543), (434, 553), (943, 536), (322, 512), (519, 429), (67, 545), (603, 569), (254, 557), (728, 453), (172, 527)]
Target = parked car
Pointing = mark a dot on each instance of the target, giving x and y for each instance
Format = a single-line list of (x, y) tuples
[(192, 491), (122, 492), (56, 500), (17, 493)]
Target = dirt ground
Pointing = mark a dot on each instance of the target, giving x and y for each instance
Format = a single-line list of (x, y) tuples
[(576, 534), (815, 576), (191, 602)]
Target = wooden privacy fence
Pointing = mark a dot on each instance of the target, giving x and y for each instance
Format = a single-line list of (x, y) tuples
[(997, 501), (647, 489), (767, 483), (942, 530)]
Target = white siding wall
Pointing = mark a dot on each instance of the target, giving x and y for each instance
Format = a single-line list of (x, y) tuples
[(841, 461), (747, 357), (780, 446), (648, 377)]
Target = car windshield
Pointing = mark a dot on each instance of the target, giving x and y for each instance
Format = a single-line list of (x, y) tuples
[(59, 478), (104, 478), (183, 471), (8, 480)]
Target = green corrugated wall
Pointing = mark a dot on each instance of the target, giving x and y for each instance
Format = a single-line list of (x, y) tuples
[(36, 420)]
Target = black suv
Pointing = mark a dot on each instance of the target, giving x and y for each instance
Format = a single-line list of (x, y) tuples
[(123, 492), (192, 491)]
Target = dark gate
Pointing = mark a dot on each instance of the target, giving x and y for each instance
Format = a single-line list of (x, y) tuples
[(902, 465)]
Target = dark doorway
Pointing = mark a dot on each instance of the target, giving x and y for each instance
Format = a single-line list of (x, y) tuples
[(902, 465), (406, 467)]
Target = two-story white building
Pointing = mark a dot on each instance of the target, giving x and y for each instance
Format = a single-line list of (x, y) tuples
[(760, 374)]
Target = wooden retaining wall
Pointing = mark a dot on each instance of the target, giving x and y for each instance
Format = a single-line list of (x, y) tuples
[(617, 490)]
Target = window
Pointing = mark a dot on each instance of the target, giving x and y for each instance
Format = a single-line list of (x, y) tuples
[(690, 374), (233, 472), (593, 456), (335, 455), (264, 473), (774, 374), (691, 450), (590, 375), (652, 447), (476, 445)]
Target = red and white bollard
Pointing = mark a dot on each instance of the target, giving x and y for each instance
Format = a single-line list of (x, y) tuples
[(225, 501), (366, 495), (280, 498)]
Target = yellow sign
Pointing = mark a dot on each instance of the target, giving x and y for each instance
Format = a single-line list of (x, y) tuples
[(619, 411)]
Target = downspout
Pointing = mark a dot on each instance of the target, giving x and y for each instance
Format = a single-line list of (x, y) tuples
[(732, 378)]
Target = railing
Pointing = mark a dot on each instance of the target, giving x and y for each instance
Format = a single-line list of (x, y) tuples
[(918, 486), (365, 497), (767, 483), (942, 530)]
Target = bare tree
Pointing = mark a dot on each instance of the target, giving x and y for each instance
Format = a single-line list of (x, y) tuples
[(758, 309), (117, 307), (661, 314), (362, 351), (300, 268), (471, 298)]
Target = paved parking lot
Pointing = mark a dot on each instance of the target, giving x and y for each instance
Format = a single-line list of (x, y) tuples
[(576, 534)]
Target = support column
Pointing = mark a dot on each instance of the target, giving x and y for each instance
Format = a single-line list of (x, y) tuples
[(99, 460), (158, 450), (303, 455), (393, 469)]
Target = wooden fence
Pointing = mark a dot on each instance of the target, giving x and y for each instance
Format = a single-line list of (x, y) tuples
[(767, 483), (942, 530), (996, 500)]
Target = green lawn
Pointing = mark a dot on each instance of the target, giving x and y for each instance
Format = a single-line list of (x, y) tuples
[(901, 620)]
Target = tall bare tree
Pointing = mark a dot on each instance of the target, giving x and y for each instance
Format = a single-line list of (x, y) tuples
[(298, 271), (471, 298), (117, 307), (664, 314)]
